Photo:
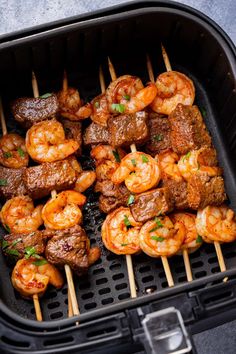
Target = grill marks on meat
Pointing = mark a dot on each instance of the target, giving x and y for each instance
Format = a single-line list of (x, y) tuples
[(42, 179), (188, 131), (159, 128), (13, 180), (149, 204), (71, 246), (73, 130), (95, 134), (28, 111), (127, 129)]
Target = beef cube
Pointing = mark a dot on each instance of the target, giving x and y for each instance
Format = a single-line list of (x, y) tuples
[(188, 131), (42, 179), (203, 190), (108, 204), (113, 196), (149, 204), (159, 127), (73, 130), (28, 111), (95, 134), (11, 182), (127, 129), (178, 192)]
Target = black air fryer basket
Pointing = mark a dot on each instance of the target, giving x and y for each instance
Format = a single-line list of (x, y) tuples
[(109, 318)]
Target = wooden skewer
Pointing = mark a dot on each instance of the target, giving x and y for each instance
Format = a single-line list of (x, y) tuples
[(72, 300), (164, 259), (128, 257)]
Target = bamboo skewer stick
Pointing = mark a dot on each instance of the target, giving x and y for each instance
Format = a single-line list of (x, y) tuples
[(128, 257), (164, 259), (37, 308), (72, 300)]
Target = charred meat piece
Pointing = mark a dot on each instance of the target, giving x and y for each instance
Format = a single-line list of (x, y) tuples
[(108, 204), (71, 246), (203, 190), (178, 192), (159, 141), (127, 129), (42, 179), (11, 182), (28, 111), (149, 204), (95, 134), (112, 197), (188, 131), (73, 130)]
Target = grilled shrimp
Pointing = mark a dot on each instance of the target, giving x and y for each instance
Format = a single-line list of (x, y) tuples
[(107, 152), (139, 171), (13, 153), (161, 237), (216, 224), (70, 105), (191, 240), (63, 211), (84, 181), (172, 88), (100, 111), (169, 165), (30, 278), (19, 215), (120, 232), (46, 142), (199, 161), (127, 95)]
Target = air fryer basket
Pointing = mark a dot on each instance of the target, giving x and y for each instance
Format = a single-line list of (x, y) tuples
[(196, 47)]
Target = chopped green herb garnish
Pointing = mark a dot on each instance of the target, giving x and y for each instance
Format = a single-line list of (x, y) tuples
[(144, 158), (40, 262), (130, 199), (133, 162), (46, 95), (21, 152), (199, 239), (157, 238), (204, 113), (12, 252), (187, 155), (97, 104), (154, 229), (126, 221), (124, 244), (3, 182), (5, 244), (30, 251), (7, 154), (126, 97), (158, 137), (118, 107), (16, 241), (7, 228), (158, 222), (116, 155)]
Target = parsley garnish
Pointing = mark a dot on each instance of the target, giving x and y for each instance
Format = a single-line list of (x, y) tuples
[(7, 154), (154, 229), (97, 104), (5, 244), (20, 152), (144, 158), (157, 238), (12, 252), (16, 241), (40, 262), (157, 137), (187, 155), (7, 228), (3, 182), (130, 199), (126, 97), (133, 162), (204, 113), (118, 107), (158, 222), (199, 239), (46, 95), (126, 221), (30, 251), (124, 244), (116, 155)]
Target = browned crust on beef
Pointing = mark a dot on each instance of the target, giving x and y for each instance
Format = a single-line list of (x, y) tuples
[(95, 134), (73, 130), (14, 179), (178, 192)]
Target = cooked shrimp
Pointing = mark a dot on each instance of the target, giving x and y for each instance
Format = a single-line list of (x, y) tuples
[(172, 88), (84, 181), (127, 95), (70, 105), (216, 224), (139, 171), (13, 153), (46, 142), (169, 165), (192, 241), (63, 211), (100, 113), (161, 237), (19, 215), (29, 277), (107, 152), (93, 255), (120, 232), (199, 161)]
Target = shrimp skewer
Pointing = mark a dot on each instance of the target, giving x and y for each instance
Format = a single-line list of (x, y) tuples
[(72, 300), (37, 308)]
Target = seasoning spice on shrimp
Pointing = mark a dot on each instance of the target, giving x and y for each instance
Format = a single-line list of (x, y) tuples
[(13, 152)]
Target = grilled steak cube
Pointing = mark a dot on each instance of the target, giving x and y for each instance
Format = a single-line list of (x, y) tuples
[(149, 204), (159, 128), (42, 179), (188, 131), (28, 111), (73, 130), (69, 246), (203, 190), (178, 192), (127, 129), (95, 134), (108, 204), (11, 182), (113, 196)]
